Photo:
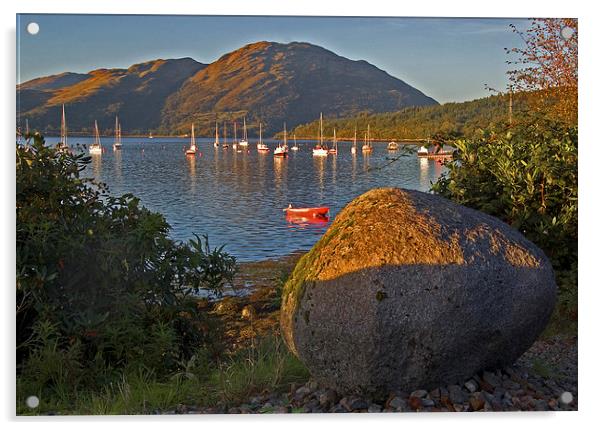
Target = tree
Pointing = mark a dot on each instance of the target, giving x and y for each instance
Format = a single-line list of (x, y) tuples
[(548, 66)]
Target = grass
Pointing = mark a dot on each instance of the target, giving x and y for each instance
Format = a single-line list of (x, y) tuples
[(267, 365), (563, 321)]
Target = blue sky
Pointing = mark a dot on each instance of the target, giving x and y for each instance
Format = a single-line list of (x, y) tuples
[(448, 59)]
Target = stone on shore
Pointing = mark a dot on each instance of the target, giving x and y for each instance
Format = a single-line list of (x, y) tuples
[(408, 290)]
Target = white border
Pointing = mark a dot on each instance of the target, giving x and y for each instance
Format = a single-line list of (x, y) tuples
[(590, 183)]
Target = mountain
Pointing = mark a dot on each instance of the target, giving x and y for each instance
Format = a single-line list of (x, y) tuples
[(294, 82), (264, 81), (136, 94), (54, 82)]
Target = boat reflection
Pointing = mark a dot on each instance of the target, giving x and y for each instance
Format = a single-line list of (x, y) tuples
[(301, 221), (97, 166), (117, 166), (192, 173), (424, 177)]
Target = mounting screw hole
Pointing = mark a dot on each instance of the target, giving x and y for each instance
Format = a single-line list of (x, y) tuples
[(33, 28)]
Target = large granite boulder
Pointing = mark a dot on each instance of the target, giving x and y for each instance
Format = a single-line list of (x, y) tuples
[(409, 290)]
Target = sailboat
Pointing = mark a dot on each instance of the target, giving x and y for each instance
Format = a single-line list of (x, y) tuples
[(295, 147), (262, 147), (354, 147), (216, 142), (192, 149), (244, 141), (63, 142), (96, 147), (117, 143), (282, 150), (319, 150), (334, 148), (234, 145), (225, 145), (367, 146)]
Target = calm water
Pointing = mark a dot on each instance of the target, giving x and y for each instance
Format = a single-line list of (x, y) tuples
[(237, 197)]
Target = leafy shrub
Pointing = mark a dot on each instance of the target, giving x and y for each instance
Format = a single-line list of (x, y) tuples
[(527, 176), (99, 281)]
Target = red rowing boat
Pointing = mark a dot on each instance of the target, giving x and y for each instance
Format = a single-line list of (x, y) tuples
[(319, 212)]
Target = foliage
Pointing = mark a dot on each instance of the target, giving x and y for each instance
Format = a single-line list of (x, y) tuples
[(452, 119), (548, 66), (101, 287), (267, 365), (527, 176)]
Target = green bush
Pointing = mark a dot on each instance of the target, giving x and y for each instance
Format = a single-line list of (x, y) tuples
[(527, 176), (101, 288)]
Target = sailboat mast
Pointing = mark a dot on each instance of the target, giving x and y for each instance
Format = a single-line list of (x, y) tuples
[(192, 142), (63, 128), (96, 134), (216, 134), (116, 129), (369, 143), (285, 134), (260, 140), (355, 137), (234, 131), (321, 139), (335, 138), (244, 124)]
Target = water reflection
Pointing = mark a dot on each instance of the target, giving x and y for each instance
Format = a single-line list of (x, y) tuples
[(366, 160), (301, 222), (97, 165), (191, 161), (279, 168), (334, 169), (424, 172), (117, 165), (237, 198), (319, 169)]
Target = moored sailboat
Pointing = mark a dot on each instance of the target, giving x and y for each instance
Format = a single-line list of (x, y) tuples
[(294, 147), (235, 142), (261, 147), (63, 142), (244, 141), (96, 147), (334, 148), (225, 144), (354, 146), (117, 143), (319, 150), (367, 145), (192, 149), (216, 142), (282, 149)]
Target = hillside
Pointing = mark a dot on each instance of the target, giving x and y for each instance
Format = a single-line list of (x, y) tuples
[(293, 82), (460, 119), (137, 94), (266, 81)]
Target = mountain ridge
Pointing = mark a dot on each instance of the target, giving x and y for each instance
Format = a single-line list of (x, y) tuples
[(266, 81)]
